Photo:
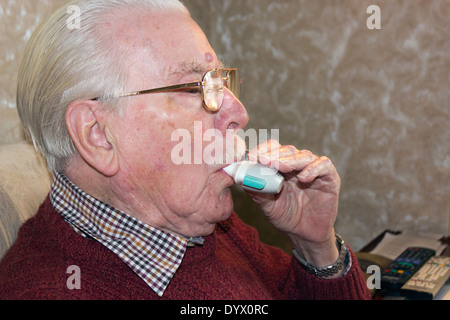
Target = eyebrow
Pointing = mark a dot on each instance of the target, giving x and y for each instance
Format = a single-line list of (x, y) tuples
[(190, 67)]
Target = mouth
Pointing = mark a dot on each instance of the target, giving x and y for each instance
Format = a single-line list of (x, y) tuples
[(229, 181), (236, 159), (231, 155), (237, 152)]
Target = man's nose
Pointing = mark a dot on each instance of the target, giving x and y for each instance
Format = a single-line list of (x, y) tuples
[(232, 114)]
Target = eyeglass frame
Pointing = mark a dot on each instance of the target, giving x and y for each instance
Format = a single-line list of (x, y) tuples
[(200, 84)]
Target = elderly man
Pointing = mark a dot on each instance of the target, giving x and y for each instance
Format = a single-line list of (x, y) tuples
[(123, 221)]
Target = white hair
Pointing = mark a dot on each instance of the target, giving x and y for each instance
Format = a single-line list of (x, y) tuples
[(63, 64)]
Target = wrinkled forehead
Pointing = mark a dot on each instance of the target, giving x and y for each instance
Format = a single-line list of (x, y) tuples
[(131, 29), (167, 44)]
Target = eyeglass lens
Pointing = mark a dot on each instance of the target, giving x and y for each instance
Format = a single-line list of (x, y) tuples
[(213, 90)]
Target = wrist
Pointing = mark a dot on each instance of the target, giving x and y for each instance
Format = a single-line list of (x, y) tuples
[(319, 254), (338, 268)]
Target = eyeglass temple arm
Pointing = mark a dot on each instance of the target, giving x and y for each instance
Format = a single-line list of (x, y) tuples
[(166, 89), (162, 89)]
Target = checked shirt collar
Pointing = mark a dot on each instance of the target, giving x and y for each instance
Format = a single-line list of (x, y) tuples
[(152, 254)]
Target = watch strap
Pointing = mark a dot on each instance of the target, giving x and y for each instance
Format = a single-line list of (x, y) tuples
[(341, 264)]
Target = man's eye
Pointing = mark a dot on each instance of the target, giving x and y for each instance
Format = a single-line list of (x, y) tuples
[(193, 90)]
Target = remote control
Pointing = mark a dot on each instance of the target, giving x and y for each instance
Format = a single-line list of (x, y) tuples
[(428, 280), (404, 266)]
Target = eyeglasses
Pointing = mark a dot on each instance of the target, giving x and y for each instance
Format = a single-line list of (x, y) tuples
[(212, 87)]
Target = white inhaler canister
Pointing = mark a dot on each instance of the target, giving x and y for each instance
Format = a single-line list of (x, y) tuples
[(255, 177)]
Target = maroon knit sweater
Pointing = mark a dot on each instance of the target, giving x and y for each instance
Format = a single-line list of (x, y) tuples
[(231, 264)]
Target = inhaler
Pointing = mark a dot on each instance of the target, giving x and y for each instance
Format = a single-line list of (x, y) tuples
[(255, 177)]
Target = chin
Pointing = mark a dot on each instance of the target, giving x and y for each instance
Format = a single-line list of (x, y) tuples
[(228, 205), (218, 209), (222, 214)]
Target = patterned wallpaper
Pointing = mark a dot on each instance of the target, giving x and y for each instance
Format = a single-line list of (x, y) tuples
[(376, 101), (18, 19)]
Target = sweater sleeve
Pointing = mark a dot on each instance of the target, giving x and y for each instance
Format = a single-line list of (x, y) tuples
[(284, 275), (351, 286)]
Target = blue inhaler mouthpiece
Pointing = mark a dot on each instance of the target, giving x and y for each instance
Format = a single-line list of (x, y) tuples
[(255, 177)]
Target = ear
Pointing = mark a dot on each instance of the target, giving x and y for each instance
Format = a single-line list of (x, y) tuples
[(85, 123)]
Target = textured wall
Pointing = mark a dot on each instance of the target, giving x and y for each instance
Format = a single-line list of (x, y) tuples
[(375, 101), (18, 19)]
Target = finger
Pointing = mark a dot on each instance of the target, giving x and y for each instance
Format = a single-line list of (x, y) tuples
[(319, 168), (287, 159), (262, 150), (295, 161), (272, 150)]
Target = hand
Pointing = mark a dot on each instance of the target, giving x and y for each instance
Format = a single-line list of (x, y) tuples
[(306, 208)]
